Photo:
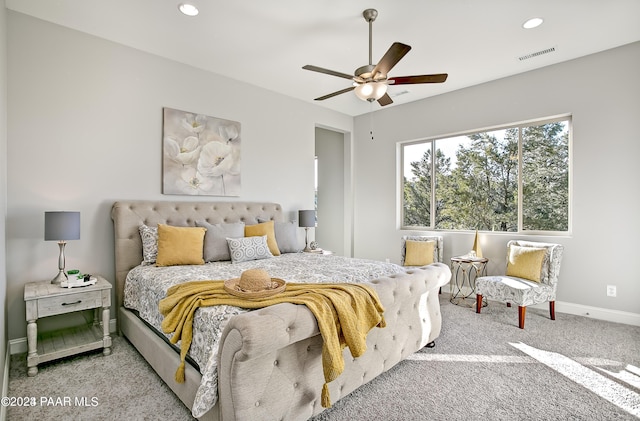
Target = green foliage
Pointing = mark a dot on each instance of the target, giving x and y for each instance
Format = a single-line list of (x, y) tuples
[(545, 187), (481, 190), (417, 193)]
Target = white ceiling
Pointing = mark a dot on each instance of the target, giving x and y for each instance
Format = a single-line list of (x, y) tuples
[(266, 43)]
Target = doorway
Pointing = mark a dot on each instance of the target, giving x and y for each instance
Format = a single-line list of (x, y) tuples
[(333, 180)]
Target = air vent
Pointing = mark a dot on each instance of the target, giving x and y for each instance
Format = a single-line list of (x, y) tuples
[(537, 53), (397, 94)]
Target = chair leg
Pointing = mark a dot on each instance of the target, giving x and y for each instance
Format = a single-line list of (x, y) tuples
[(552, 310), (478, 303), (521, 312)]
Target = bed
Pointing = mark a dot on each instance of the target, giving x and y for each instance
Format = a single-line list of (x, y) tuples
[(266, 363)]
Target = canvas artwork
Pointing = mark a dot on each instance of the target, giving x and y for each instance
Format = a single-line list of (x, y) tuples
[(201, 154)]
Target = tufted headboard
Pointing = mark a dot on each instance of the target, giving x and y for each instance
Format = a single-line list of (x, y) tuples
[(128, 215)]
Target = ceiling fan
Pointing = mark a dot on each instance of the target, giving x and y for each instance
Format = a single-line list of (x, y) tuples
[(370, 82)]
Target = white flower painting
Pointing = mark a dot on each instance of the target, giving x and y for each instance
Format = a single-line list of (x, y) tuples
[(201, 154)]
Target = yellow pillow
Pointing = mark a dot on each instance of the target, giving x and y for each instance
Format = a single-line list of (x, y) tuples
[(180, 245), (525, 262), (265, 228), (419, 253)]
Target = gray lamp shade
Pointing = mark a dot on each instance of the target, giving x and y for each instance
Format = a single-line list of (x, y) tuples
[(307, 218), (61, 226)]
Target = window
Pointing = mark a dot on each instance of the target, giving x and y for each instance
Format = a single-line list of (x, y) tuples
[(511, 179)]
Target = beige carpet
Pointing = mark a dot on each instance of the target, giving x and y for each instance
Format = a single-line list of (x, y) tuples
[(482, 368)]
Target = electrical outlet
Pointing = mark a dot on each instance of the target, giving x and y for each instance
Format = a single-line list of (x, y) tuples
[(611, 290)]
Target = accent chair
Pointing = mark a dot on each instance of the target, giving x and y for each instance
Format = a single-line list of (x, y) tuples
[(421, 250), (531, 277)]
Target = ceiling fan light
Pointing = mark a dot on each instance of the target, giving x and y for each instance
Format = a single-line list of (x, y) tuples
[(371, 91)]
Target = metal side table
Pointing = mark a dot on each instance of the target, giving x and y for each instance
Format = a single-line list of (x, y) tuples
[(464, 271)]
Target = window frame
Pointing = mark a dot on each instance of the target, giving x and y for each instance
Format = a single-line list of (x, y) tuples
[(568, 118)]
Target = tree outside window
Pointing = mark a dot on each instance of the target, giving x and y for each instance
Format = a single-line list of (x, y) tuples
[(545, 177), (479, 180)]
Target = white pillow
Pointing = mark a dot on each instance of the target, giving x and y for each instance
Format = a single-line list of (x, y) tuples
[(248, 248)]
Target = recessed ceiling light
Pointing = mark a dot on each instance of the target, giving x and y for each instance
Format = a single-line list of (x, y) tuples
[(532, 23), (188, 9)]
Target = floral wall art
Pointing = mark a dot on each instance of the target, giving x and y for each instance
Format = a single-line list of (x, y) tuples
[(201, 154)]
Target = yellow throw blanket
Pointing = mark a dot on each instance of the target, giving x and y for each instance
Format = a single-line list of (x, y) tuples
[(345, 314)]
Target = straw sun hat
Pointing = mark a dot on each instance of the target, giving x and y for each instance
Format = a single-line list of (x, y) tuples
[(254, 283)]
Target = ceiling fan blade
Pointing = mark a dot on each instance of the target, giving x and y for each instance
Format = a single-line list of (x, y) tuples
[(385, 100), (331, 95), (409, 80), (391, 58), (327, 71)]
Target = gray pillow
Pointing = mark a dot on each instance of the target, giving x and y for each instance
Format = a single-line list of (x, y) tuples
[(286, 236), (215, 239), (248, 248)]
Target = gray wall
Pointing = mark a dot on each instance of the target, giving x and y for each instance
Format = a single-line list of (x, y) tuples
[(330, 231), (85, 130), (602, 92), (3, 185)]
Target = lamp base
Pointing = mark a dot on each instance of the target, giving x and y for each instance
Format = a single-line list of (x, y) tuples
[(306, 240), (61, 276)]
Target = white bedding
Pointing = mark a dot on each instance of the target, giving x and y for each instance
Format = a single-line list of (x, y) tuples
[(145, 286)]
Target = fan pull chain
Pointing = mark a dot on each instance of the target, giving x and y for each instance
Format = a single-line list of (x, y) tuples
[(371, 119)]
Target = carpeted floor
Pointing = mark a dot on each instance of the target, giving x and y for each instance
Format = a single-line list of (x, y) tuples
[(482, 368)]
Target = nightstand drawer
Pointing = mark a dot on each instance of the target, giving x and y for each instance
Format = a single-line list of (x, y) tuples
[(51, 306)]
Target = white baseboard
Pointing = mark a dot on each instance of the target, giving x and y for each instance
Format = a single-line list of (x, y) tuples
[(19, 345), (615, 316)]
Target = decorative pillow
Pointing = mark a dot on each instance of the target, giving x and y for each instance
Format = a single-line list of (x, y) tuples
[(286, 236), (419, 253), (215, 239), (248, 248), (265, 228), (180, 245), (525, 262), (149, 237)]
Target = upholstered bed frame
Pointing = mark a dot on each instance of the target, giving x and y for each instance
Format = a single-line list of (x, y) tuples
[(269, 360)]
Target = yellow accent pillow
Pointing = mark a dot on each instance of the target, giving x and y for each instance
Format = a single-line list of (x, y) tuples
[(419, 253), (264, 228), (525, 262), (180, 245)]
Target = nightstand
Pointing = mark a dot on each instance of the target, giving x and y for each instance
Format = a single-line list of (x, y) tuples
[(45, 299)]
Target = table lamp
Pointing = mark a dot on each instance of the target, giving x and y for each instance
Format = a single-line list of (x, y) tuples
[(306, 219), (476, 245), (60, 227)]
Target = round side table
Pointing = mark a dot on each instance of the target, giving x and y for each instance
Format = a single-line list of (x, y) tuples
[(464, 271)]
